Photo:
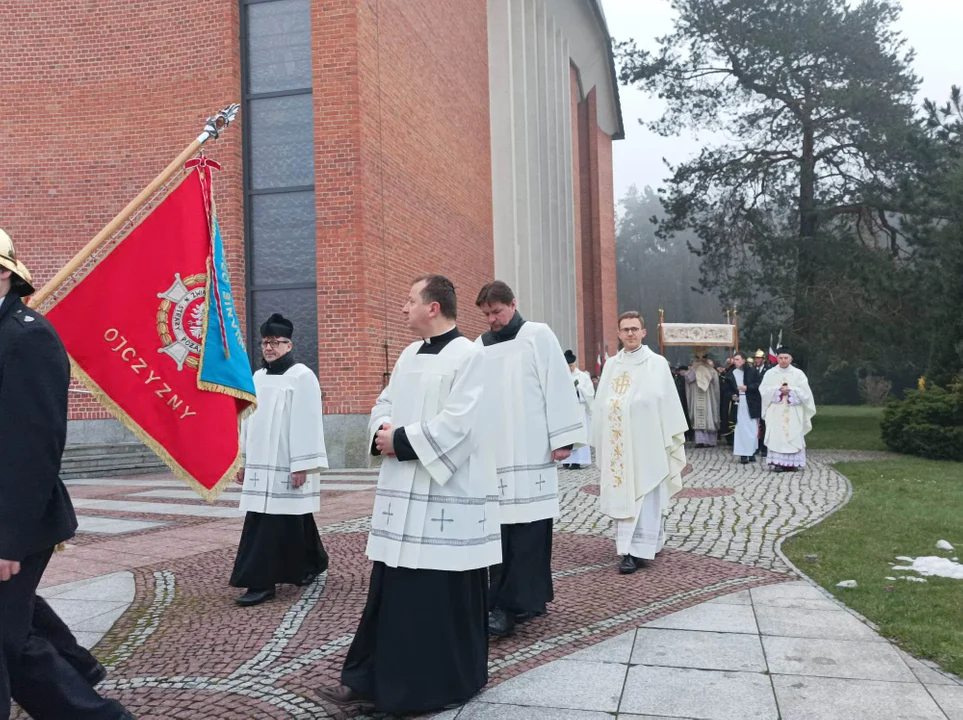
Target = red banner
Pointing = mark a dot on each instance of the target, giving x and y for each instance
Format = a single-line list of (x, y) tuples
[(134, 329)]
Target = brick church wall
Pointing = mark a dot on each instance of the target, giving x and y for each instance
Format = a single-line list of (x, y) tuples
[(133, 83)]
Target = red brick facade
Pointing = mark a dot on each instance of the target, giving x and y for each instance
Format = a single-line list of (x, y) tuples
[(98, 98), (96, 101)]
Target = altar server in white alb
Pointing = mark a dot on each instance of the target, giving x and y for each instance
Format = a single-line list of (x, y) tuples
[(638, 432), (585, 391), (788, 408), (282, 448), (538, 423), (422, 643)]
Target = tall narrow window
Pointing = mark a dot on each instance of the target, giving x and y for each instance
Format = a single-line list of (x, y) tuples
[(279, 215)]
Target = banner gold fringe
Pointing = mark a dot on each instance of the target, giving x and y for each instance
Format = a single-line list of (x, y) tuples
[(210, 495)]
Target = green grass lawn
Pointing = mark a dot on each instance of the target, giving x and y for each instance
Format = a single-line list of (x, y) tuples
[(838, 427), (899, 507)]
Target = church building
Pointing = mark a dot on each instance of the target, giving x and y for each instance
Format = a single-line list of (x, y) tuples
[(377, 140)]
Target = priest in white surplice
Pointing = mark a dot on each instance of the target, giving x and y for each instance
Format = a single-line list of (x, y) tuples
[(422, 642), (585, 390), (282, 448), (639, 438), (788, 407), (539, 422)]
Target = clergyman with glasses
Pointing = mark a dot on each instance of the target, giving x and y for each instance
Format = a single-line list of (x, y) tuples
[(638, 432), (282, 447)]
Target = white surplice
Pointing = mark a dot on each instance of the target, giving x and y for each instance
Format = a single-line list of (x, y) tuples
[(745, 441), (586, 395), (639, 438), (536, 412), (439, 512), (283, 436), (788, 420)]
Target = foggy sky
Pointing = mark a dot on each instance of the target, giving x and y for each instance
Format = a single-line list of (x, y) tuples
[(930, 26)]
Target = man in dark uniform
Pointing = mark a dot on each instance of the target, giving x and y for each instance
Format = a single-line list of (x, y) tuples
[(35, 512), (680, 373), (761, 364)]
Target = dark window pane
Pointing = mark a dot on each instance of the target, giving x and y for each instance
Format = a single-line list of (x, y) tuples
[(298, 306), (282, 238), (282, 141), (279, 45)]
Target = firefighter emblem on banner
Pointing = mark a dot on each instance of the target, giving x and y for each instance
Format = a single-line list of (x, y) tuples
[(180, 320)]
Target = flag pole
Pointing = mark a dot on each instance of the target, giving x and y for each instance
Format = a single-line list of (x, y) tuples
[(214, 126)]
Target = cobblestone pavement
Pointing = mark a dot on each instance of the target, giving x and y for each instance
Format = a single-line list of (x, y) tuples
[(727, 511), (184, 649)]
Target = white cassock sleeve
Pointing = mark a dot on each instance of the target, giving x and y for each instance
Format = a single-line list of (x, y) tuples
[(242, 438), (306, 433), (566, 421), (587, 389), (380, 415), (598, 409), (445, 442)]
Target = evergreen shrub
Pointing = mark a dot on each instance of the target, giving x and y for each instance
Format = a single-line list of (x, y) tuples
[(927, 423)]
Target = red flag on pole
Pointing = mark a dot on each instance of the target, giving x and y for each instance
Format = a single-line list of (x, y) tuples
[(135, 328)]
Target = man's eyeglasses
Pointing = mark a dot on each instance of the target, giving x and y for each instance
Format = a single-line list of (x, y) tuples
[(631, 330), (274, 343)]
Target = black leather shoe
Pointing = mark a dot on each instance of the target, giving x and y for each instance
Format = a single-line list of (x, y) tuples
[(500, 623), (343, 697), (255, 597), (308, 579), (627, 566), (752, 458), (526, 616), (96, 675), (640, 562), (744, 460)]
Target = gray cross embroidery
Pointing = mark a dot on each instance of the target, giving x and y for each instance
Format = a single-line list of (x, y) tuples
[(502, 485), (483, 521), (387, 513), (540, 482), (442, 520), (287, 483), (255, 479)]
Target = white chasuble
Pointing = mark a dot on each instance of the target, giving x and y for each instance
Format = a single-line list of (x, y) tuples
[(788, 419), (283, 436), (638, 431), (439, 512), (537, 411)]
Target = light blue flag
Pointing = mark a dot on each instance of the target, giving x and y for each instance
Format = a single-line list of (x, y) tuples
[(222, 371)]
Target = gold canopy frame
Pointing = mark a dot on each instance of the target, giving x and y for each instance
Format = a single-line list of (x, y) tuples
[(699, 334)]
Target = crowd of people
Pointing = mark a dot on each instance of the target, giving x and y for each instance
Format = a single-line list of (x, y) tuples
[(468, 436), (729, 404)]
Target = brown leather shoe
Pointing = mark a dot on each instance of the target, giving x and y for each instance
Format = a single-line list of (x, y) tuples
[(343, 697)]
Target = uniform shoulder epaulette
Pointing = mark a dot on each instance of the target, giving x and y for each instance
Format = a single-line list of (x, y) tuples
[(24, 317)]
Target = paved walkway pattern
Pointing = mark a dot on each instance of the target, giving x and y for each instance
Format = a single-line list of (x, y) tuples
[(779, 651), (707, 610)]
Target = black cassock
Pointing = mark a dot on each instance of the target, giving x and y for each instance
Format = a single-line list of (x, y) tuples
[(278, 549), (422, 643), (522, 583)]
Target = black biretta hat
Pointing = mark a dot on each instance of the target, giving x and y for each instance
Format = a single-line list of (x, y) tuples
[(277, 326)]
